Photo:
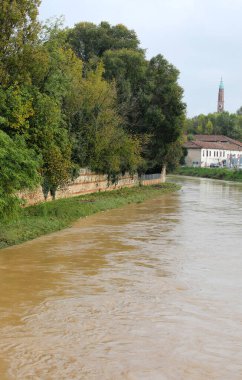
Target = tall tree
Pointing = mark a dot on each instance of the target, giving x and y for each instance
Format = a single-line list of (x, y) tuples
[(99, 140), (90, 41), (163, 110), (18, 28), (128, 68)]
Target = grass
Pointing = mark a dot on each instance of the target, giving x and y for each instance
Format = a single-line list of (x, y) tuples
[(48, 217), (215, 173)]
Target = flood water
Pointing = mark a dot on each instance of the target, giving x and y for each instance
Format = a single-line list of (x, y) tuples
[(151, 291)]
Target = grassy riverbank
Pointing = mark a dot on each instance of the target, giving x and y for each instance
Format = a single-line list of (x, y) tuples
[(48, 217), (215, 173)]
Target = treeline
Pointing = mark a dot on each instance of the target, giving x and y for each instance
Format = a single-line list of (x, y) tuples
[(80, 97), (217, 124)]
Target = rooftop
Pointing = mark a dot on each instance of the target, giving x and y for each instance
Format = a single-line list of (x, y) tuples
[(213, 142)]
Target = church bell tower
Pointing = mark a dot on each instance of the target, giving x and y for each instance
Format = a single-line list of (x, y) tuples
[(220, 107)]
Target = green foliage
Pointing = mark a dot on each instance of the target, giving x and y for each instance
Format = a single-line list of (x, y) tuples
[(209, 128), (18, 171), (56, 170), (125, 64), (216, 173), (85, 96), (128, 68), (163, 110), (15, 109), (100, 141), (18, 27), (89, 40), (49, 137), (239, 111), (175, 154), (217, 123)]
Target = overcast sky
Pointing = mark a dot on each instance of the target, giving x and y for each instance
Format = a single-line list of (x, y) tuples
[(202, 38)]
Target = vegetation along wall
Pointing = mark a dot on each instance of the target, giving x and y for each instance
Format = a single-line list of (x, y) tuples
[(89, 182)]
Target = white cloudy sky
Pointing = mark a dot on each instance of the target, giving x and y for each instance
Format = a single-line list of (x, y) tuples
[(202, 38)]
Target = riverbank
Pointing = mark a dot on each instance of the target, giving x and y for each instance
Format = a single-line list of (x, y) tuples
[(214, 173), (48, 217)]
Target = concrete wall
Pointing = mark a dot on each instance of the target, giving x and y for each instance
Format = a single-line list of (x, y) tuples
[(88, 182), (193, 157)]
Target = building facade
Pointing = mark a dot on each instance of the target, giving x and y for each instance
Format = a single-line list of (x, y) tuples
[(213, 150)]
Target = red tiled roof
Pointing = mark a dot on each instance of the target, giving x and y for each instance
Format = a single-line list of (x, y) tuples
[(213, 142), (192, 144), (234, 141), (216, 138), (210, 138)]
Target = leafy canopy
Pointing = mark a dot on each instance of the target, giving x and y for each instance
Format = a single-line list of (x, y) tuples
[(18, 171)]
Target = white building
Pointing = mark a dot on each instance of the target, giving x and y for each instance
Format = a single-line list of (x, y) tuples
[(213, 150)]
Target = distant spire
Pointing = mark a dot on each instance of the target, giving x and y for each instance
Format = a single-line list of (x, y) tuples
[(220, 105), (221, 86)]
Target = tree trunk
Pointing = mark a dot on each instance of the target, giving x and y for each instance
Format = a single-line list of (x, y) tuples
[(163, 173), (53, 192)]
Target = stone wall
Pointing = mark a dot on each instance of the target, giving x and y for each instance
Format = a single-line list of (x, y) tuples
[(88, 182)]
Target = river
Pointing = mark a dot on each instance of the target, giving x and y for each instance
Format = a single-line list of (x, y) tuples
[(151, 291)]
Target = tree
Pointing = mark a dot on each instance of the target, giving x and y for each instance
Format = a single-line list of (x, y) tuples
[(224, 123), (15, 109), (149, 98), (239, 111), (175, 154), (55, 98), (163, 110), (216, 123), (128, 68), (90, 41), (56, 170), (85, 96), (99, 140), (209, 128), (18, 171), (48, 136), (18, 28)]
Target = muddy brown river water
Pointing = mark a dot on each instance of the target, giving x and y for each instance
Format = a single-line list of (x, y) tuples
[(151, 291)]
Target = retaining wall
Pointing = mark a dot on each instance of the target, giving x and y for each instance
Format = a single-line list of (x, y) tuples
[(89, 182)]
